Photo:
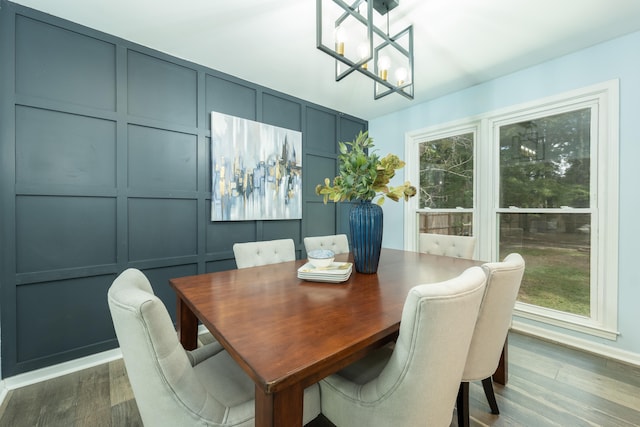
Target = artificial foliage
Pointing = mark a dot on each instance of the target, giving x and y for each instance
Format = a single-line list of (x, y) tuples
[(363, 175)]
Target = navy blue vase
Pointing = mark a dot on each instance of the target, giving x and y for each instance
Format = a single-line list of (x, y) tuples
[(365, 224)]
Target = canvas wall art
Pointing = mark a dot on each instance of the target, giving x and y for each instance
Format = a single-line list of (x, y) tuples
[(256, 170)]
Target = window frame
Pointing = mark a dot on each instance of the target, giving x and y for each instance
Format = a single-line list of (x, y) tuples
[(412, 151), (603, 98)]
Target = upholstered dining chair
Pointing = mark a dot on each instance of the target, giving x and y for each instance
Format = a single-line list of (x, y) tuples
[(494, 320), (441, 244), (174, 387), (338, 243), (253, 254), (413, 383)]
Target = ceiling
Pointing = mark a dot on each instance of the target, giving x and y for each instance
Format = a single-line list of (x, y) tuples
[(457, 43)]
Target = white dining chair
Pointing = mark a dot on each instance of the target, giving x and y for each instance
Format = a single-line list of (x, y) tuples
[(338, 243), (494, 319), (254, 254), (413, 383), (447, 245), (174, 387)]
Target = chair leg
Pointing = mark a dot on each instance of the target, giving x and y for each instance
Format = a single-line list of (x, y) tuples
[(462, 405), (487, 384)]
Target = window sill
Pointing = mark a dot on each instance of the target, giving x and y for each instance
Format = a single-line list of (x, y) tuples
[(564, 320)]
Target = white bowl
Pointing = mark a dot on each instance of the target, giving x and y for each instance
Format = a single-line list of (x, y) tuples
[(321, 258)]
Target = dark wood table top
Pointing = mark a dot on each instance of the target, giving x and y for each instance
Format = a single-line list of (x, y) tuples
[(285, 331)]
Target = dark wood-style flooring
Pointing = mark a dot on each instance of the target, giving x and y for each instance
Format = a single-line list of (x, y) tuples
[(549, 385)]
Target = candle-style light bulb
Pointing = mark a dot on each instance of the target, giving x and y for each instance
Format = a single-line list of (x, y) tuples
[(341, 38), (383, 65), (401, 75), (363, 52)]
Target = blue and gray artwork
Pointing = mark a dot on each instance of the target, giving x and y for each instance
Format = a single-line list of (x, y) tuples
[(256, 170)]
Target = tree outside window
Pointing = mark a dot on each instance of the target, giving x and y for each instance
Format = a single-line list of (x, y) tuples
[(446, 185), (541, 179), (545, 177)]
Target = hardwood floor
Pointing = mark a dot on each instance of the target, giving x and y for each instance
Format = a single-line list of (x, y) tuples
[(549, 385), (99, 396)]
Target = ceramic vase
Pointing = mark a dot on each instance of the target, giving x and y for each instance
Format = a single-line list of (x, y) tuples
[(365, 224)]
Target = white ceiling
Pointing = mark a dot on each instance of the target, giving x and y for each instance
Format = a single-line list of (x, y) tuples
[(457, 43)]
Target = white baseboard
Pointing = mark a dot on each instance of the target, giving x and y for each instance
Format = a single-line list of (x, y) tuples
[(3, 392), (578, 343), (32, 377), (60, 369)]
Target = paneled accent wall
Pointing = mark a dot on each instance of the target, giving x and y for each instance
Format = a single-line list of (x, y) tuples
[(105, 165)]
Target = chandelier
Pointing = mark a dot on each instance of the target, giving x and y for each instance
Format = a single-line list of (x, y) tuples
[(528, 143), (347, 33)]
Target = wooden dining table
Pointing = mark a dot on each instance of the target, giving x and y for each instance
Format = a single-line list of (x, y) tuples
[(287, 333)]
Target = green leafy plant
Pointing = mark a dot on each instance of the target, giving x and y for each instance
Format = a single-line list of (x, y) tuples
[(363, 175)]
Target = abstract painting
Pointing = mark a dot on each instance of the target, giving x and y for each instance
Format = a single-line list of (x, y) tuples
[(256, 170)]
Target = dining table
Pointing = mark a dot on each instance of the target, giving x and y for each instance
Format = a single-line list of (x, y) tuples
[(287, 333)]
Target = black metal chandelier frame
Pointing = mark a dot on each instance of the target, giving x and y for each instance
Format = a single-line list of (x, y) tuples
[(382, 86)]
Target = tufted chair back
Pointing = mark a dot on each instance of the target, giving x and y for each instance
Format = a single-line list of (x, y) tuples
[(415, 382), (494, 320), (253, 254), (174, 387), (338, 243), (441, 244), (169, 391)]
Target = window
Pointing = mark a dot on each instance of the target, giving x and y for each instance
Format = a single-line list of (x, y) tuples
[(447, 177), (446, 185), (546, 182), (545, 207)]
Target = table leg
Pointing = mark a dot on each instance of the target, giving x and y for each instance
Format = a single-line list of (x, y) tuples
[(280, 409), (502, 372), (187, 325)]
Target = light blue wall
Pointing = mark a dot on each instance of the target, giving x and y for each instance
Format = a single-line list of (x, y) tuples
[(616, 59)]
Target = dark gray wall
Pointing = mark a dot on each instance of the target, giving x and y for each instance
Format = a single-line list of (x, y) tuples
[(105, 151)]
